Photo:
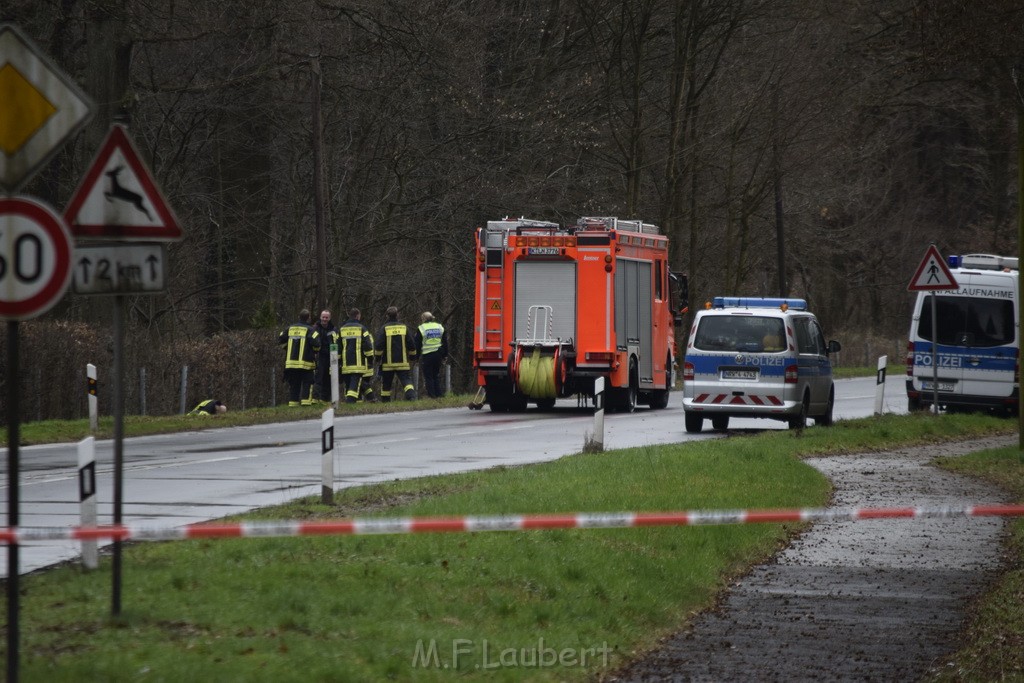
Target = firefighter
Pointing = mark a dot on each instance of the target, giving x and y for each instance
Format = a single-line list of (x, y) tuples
[(355, 354), (432, 342), (209, 407), (328, 335), (395, 350), (301, 344)]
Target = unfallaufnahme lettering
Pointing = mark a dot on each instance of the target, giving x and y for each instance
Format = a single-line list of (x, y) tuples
[(464, 653)]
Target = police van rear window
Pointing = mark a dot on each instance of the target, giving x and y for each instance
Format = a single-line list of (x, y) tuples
[(967, 321), (750, 334)]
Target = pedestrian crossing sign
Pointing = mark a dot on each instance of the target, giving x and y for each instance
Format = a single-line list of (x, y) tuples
[(933, 274)]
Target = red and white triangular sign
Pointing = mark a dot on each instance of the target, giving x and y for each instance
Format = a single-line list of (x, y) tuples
[(118, 198), (932, 274)]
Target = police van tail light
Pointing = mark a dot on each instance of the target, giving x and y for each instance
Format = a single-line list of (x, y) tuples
[(910, 359), (687, 372), (792, 373)]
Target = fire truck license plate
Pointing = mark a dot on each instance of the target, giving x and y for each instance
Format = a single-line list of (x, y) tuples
[(739, 374), (943, 386), (543, 251)]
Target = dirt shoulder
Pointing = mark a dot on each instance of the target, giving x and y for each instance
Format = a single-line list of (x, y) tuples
[(880, 599)]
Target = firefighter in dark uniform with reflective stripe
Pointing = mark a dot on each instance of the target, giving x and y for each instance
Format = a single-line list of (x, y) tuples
[(355, 354), (210, 406), (301, 344), (395, 349)]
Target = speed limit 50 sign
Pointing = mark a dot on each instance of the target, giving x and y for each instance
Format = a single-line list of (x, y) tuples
[(35, 258)]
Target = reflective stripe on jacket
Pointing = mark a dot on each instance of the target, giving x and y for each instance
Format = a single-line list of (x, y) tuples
[(355, 348), (301, 344), (395, 347)]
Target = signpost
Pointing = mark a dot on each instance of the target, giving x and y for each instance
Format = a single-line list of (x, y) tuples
[(41, 109), (933, 275), (118, 201)]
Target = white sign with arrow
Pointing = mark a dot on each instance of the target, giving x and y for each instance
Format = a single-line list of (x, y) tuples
[(118, 269)]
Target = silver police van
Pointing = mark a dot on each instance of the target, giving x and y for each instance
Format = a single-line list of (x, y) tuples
[(757, 357)]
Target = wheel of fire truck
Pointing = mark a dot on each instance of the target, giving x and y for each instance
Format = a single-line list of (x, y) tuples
[(694, 422), (499, 396), (626, 397), (720, 423), (545, 403), (659, 397)]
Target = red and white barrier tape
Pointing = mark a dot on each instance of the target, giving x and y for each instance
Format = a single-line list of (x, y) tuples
[(415, 525)]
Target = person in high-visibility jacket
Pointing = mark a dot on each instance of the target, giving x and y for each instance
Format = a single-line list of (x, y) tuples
[(210, 406), (301, 343), (432, 342), (355, 354), (395, 349)]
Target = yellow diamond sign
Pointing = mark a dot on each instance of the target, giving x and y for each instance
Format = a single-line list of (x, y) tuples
[(25, 119), (40, 108)]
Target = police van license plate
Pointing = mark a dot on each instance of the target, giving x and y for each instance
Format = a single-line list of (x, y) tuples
[(739, 374), (943, 386)]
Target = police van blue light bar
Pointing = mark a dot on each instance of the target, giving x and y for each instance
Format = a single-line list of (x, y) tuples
[(758, 302)]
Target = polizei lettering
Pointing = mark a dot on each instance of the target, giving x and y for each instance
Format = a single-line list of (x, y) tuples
[(944, 361), (759, 360)]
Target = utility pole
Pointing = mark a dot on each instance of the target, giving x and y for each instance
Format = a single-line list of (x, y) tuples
[(319, 194), (1016, 73)]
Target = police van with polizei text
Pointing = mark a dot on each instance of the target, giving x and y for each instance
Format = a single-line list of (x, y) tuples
[(976, 339), (757, 357)]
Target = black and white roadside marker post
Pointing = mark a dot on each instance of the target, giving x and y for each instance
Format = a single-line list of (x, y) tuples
[(92, 390), (87, 497), (327, 456), (597, 441), (335, 393), (880, 384)]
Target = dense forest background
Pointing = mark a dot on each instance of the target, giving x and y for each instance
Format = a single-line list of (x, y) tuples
[(342, 152)]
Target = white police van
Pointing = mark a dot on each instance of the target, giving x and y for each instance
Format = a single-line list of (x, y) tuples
[(977, 335), (757, 357)]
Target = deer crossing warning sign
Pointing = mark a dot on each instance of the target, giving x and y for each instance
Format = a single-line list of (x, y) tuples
[(118, 198)]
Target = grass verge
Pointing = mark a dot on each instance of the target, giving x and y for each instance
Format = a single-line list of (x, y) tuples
[(994, 649), (543, 605)]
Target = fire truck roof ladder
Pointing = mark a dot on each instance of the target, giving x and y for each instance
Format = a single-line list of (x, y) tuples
[(612, 223), (494, 268)]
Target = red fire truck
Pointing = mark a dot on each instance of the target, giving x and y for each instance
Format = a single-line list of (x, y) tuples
[(557, 307)]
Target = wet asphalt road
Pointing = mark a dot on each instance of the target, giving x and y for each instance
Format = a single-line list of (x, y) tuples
[(851, 601)]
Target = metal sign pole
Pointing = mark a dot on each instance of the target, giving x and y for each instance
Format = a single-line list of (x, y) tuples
[(13, 437), (935, 354), (118, 396)]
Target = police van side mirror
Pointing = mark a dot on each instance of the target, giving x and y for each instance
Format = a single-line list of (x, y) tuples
[(834, 346)]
